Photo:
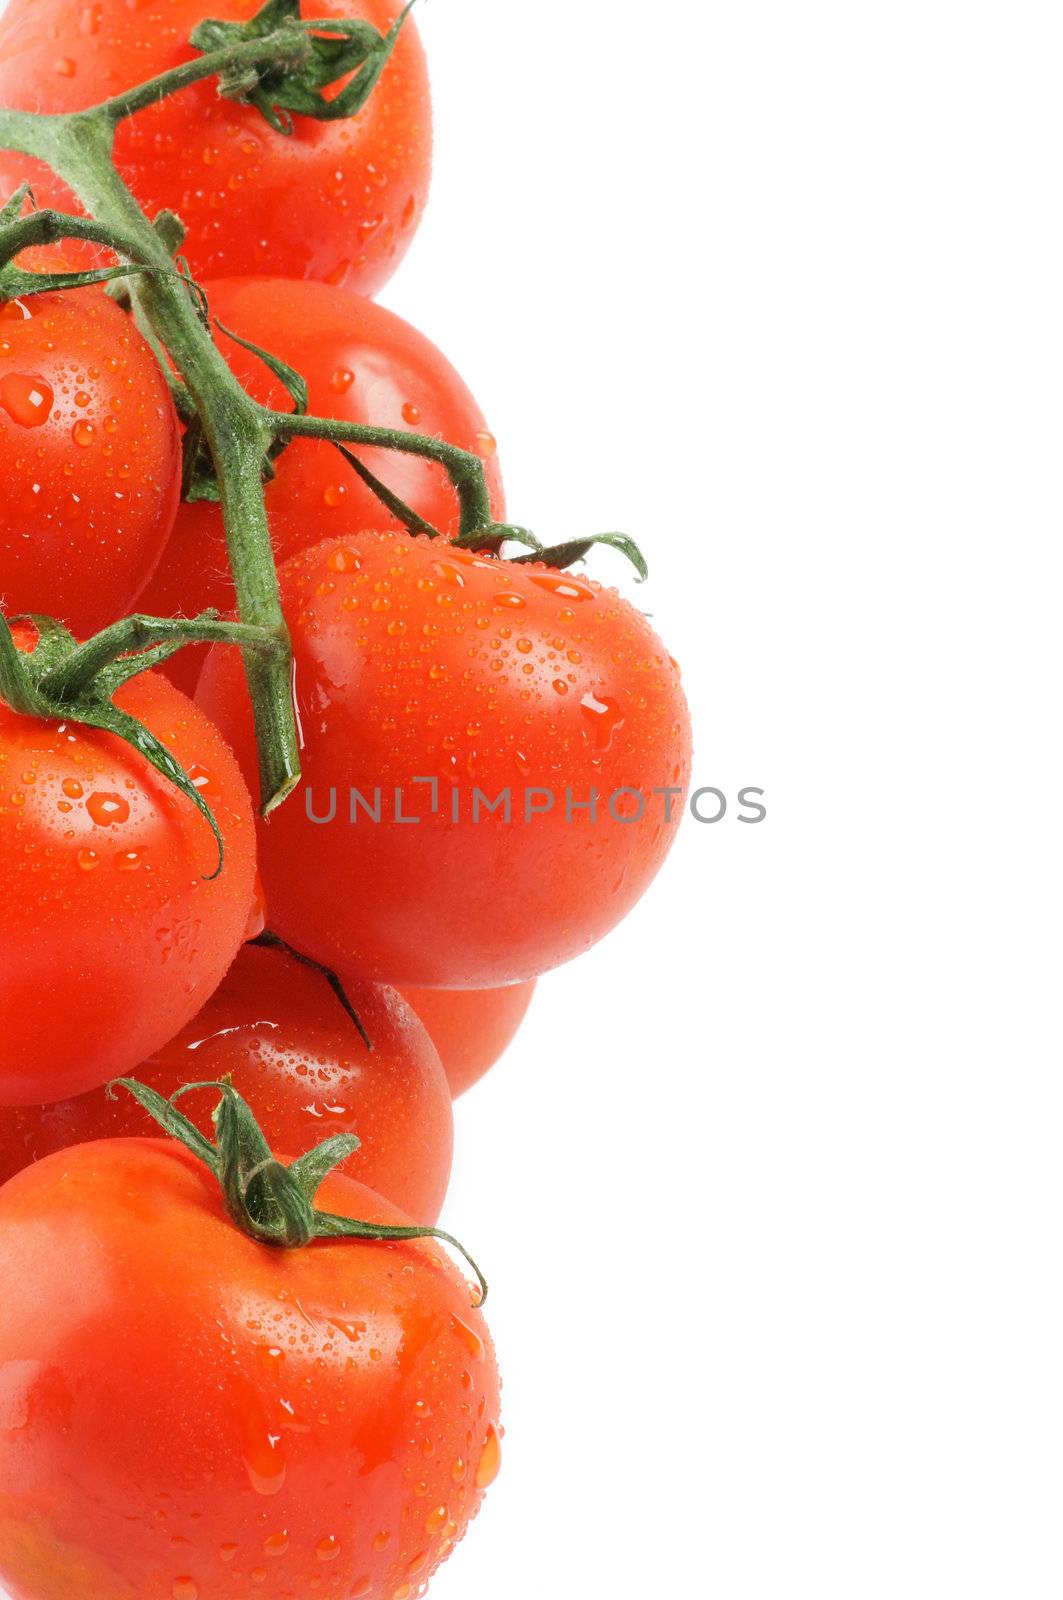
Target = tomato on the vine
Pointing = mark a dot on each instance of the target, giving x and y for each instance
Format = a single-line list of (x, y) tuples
[(337, 201), (187, 1414), (279, 1031), (91, 456), (112, 930), (362, 364), (429, 676), (469, 1027)]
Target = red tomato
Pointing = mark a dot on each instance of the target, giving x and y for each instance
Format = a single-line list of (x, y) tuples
[(91, 456), (112, 934), (336, 200), (414, 662), (277, 1028), (470, 1027), (362, 364), (186, 1414)]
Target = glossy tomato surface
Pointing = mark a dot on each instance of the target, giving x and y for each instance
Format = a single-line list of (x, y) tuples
[(188, 1415), (277, 1029), (361, 364), (91, 458), (471, 1027), (443, 674), (112, 931), (336, 200)]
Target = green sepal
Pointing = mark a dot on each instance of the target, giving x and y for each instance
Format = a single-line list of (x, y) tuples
[(12, 209), (411, 520), (31, 683), (336, 49), (292, 380), (566, 555), (16, 284), (268, 940), (269, 1202), (495, 534)]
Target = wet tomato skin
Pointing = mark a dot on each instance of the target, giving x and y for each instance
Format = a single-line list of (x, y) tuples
[(471, 1027), (184, 1412), (362, 364), (91, 455), (278, 1030), (418, 661), (112, 930), (338, 201)]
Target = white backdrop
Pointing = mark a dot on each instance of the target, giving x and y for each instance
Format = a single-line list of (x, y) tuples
[(769, 1188)]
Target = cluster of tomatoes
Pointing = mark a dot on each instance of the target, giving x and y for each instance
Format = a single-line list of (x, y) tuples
[(187, 1412)]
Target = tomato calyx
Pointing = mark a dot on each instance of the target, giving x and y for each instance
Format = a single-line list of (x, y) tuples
[(268, 1201), (336, 48), (60, 680)]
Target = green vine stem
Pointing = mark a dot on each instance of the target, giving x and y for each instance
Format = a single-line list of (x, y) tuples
[(276, 68)]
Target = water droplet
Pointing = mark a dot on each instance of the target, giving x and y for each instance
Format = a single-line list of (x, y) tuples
[(265, 1465), (66, 68), (335, 495), (469, 1337), (341, 380), (560, 686), (486, 444), (490, 1460), (604, 716), (381, 1541), (184, 1589), (87, 859), (458, 1470), (343, 561), (277, 1543), (328, 1548), (437, 1518), (83, 432), (411, 413), (27, 399), (227, 1551), (515, 602), (568, 588), (107, 809)]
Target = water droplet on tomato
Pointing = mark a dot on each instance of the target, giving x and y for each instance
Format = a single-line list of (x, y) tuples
[(560, 686), (343, 561), (437, 1519), (486, 444), (27, 399), (226, 1552), (128, 860), (514, 602), (266, 1467), (604, 716), (328, 1548), (184, 1589), (381, 1541), (490, 1460), (335, 495), (107, 809), (568, 588), (15, 311), (277, 1543), (83, 433), (66, 68), (411, 413), (87, 859), (469, 1337)]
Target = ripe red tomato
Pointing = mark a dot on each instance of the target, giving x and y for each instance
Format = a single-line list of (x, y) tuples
[(362, 364), (336, 200), (186, 1414), (470, 1027), (112, 933), (91, 456), (419, 662), (277, 1028)]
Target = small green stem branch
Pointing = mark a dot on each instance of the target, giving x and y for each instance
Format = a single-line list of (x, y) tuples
[(464, 469), (73, 675)]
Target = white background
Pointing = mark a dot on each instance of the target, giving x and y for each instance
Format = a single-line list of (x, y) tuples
[(769, 1189), (770, 1186)]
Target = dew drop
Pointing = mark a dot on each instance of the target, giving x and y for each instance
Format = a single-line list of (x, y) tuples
[(469, 1337), (490, 1460), (65, 67), (27, 399), (335, 495), (343, 561), (568, 588), (411, 413), (486, 444), (83, 433), (72, 789), (87, 859), (328, 1548), (437, 1519), (277, 1543), (107, 809), (514, 602), (604, 716), (184, 1589)]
